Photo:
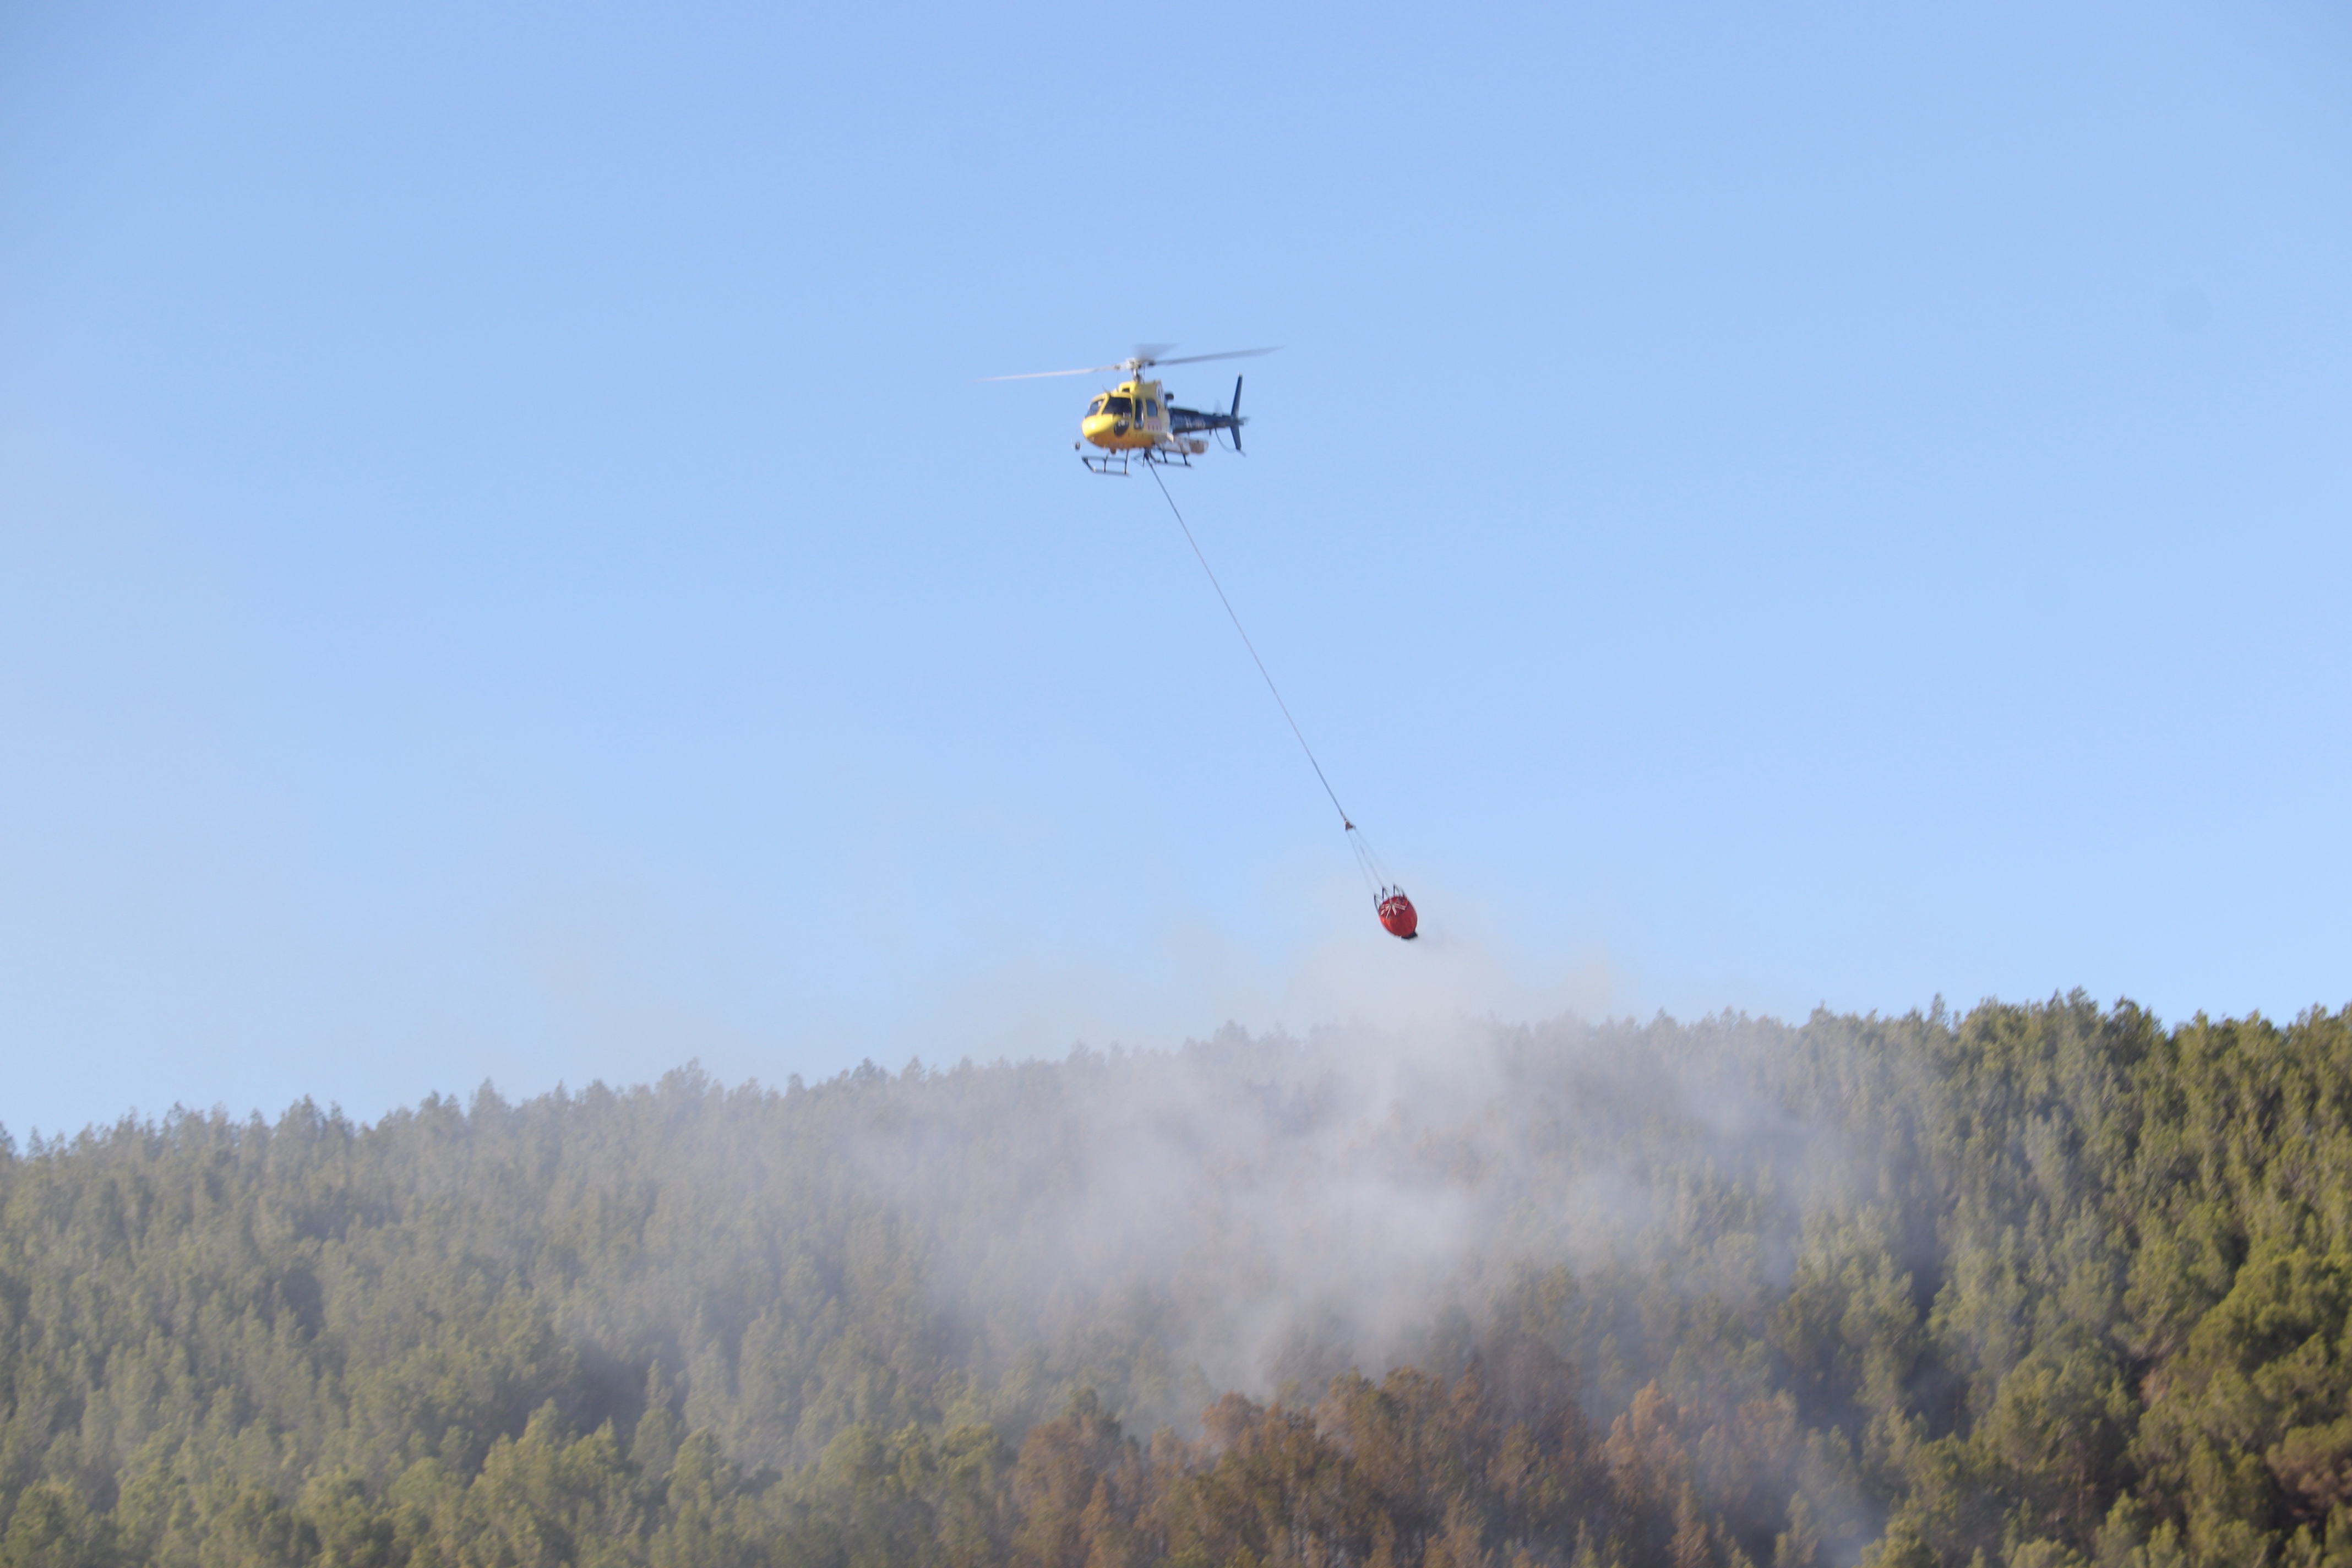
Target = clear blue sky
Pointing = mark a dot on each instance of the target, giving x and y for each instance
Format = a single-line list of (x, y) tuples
[(507, 568)]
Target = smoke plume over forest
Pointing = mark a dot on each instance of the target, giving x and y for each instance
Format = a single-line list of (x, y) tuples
[(2042, 1285)]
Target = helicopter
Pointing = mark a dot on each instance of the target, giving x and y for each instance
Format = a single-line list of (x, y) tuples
[(1137, 421)]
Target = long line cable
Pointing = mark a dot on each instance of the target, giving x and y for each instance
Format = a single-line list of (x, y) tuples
[(1373, 871)]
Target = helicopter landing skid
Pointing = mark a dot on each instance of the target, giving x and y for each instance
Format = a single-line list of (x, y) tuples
[(1115, 463)]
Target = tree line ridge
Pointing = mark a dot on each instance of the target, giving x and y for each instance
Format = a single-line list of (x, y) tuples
[(2039, 1285)]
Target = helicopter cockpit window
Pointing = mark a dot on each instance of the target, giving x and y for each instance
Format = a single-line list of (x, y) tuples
[(1120, 406), (1096, 406)]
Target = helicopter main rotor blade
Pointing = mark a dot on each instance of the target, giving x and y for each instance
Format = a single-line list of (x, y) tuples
[(1043, 374), (1142, 361), (1230, 353)]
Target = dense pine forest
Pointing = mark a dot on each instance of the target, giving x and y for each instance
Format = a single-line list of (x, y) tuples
[(2037, 1286)]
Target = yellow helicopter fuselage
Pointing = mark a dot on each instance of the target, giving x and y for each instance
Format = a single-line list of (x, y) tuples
[(1133, 416)]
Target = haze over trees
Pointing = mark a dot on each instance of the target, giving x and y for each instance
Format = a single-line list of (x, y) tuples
[(2038, 1285)]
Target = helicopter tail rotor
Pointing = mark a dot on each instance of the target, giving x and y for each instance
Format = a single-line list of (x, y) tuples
[(1236, 412)]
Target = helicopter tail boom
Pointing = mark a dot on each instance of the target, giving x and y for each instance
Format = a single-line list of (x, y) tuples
[(1192, 421)]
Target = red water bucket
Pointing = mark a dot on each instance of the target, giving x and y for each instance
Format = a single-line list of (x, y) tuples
[(1398, 916)]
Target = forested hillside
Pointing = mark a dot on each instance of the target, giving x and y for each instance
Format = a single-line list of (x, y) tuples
[(2039, 1285)]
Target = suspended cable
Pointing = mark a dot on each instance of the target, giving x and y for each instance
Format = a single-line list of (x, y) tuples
[(1270, 686), (1375, 875)]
